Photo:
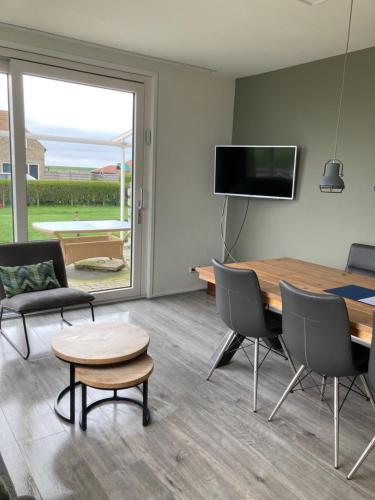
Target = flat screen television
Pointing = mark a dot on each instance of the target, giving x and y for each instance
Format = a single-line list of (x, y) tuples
[(256, 171)]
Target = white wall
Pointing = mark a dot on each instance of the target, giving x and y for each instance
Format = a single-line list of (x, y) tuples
[(195, 112)]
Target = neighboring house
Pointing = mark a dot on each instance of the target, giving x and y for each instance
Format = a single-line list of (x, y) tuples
[(35, 151), (110, 172)]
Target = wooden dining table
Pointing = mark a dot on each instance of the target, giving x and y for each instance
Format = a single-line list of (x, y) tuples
[(308, 276)]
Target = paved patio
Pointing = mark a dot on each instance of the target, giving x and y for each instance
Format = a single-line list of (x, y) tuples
[(91, 280)]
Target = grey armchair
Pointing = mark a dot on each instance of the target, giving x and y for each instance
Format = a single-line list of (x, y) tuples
[(22, 254)]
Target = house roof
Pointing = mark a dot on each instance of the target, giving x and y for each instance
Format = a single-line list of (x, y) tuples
[(4, 120), (108, 169), (112, 169), (4, 124)]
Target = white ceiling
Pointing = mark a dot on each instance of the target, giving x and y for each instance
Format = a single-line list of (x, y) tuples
[(235, 37)]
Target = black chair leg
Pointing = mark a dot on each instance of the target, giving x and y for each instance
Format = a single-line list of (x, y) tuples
[(68, 322), (92, 311), (24, 355), (62, 317)]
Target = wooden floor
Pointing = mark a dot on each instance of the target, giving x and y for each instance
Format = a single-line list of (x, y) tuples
[(203, 443)]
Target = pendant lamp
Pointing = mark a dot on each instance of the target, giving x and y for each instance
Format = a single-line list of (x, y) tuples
[(332, 180)]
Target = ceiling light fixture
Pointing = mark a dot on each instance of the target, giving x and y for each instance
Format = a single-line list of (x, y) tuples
[(313, 2), (332, 180)]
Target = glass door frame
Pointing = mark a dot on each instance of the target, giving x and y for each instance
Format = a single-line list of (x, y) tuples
[(16, 70), (4, 69)]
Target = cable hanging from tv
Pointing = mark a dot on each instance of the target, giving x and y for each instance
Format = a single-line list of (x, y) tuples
[(229, 250)]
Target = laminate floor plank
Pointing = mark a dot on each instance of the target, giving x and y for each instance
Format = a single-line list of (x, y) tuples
[(134, 482), (15, 461), (203, 443), (59, 470)]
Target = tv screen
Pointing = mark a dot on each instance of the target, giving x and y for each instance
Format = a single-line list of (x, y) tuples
[(259, 171)]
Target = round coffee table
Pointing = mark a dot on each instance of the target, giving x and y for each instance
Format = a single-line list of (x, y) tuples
[(132, 373), (100, 344)]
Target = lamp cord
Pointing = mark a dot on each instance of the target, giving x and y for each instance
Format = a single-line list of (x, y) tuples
[(343, 80), (229, 250)]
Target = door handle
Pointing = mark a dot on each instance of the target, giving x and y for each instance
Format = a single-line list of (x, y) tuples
[(140, 206)]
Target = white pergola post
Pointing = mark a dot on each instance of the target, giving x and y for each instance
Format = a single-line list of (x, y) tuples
[(122, 186)]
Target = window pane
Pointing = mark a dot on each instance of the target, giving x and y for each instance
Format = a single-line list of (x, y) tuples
[(34, 171), (74, 110), (80, 177)]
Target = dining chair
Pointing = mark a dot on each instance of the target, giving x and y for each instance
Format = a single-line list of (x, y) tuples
[(316, 331), (240, 305), (33, 252), (371, 379), (361, 259)]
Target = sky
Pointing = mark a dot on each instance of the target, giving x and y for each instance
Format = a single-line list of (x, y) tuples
[(68, 109)]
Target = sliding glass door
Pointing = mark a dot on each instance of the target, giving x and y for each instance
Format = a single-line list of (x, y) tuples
[(78, 171)]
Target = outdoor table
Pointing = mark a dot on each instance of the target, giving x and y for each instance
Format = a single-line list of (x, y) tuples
[(79, 247)]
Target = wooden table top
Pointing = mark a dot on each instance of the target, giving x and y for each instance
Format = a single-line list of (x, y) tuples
[(100, 343), (308, 276), (121, 376), (82, 226)]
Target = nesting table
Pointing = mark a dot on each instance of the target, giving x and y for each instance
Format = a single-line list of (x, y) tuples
[(109, 356)]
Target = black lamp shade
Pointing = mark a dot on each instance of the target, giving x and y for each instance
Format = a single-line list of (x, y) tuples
[(332, 181)]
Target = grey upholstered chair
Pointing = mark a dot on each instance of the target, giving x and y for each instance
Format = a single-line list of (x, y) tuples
[(371, 379), (361, 259), (23, 254), (316, 331), (240, 305)]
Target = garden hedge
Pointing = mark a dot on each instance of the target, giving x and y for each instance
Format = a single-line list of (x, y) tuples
[(57, 192)]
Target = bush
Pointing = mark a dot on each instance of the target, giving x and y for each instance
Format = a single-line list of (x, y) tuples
[(56, 192)]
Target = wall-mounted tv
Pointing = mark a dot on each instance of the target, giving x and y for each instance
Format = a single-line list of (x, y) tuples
[(256, 171)]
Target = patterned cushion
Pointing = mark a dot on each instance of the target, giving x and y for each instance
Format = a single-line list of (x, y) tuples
[(32, 278)]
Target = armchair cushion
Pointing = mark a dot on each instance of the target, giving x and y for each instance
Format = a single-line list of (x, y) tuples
[(31, 278), (46, 299)]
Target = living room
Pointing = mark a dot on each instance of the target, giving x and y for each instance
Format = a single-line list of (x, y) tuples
[(120, 407)]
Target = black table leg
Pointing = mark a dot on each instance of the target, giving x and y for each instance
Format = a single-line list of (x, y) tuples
[(83, 422), (146, 416), (72, 395), (145, 412), (225, 351)]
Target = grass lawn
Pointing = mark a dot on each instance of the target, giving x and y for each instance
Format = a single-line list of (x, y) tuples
[(48, 213)]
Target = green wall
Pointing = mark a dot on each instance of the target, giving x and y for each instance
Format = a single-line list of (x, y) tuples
[(298, 105)]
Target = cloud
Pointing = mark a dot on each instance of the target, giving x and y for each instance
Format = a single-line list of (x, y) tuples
[(82, 155), (74, 110), (101, 112)]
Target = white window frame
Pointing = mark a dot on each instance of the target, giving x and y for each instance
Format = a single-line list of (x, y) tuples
[(149, 79)]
